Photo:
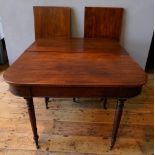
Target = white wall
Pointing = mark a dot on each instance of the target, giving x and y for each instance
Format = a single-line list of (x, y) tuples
[(1, 30), (17, 19)]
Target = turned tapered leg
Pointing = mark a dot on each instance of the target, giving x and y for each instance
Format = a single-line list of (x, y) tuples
[(46, 102), (117, 119), (32, 117), (74, 99), (104, 102)]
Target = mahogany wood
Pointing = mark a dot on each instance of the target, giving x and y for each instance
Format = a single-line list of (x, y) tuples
[(46, 102), (117, 120), (104, 101), (30, 106), (103, 22), (74, 99), (52, 22), (109, 66)]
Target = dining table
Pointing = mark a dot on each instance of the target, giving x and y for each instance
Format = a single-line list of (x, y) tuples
[(76, 68)]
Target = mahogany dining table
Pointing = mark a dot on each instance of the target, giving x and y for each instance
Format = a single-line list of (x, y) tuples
[(75, 67)]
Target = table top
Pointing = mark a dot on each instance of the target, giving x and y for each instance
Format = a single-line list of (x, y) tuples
[(76, 63)]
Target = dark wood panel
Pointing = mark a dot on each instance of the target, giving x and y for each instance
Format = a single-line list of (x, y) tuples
[(52, 22), (103, 22), (42, 91)]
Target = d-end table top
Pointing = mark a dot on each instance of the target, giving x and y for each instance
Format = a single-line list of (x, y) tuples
[(76, 62)]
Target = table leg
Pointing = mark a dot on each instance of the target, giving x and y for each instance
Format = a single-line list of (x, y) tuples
[(117, 119), (32, 118), (104, 100), (74, 99), (46, 102)]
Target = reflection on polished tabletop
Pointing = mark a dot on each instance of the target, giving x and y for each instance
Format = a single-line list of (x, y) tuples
[(76, 62)]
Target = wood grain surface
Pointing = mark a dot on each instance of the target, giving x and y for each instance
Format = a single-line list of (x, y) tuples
[(103, 22), (52, 22), (110, 66)]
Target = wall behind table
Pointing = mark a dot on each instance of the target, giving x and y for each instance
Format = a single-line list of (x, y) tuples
[(17, 19)]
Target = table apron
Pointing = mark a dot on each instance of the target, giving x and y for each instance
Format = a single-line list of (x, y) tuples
[(46, 91)]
